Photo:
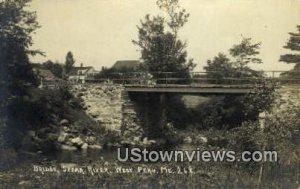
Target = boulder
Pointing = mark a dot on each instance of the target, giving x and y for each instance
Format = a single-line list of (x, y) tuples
[(145, 141), (91, 139), (80, 94), (68, 143), (25, 184), (68, 147), (66, 129), (95, 147), (151, 142), (77, 141), (84, 146), (64, 122), (100, 120), (94, 114), (188, 140), (136, 139), (62, 137), (202, 139)]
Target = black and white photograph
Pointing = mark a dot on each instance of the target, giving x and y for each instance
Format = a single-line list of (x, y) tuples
[(158, 94)]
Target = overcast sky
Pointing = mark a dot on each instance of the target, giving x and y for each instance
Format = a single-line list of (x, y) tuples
[(99, 32)]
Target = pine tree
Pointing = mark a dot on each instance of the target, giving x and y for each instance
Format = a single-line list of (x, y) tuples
[(294, 45), (69, 62)]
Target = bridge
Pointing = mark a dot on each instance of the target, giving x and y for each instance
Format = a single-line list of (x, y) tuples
[(152, 91), (190, 89), (198, 82)]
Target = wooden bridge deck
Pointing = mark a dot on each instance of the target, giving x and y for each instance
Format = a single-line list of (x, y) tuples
[(191, 89)]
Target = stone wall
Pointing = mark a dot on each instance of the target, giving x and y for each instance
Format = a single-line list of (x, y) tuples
[(103, 103), (111, 106)]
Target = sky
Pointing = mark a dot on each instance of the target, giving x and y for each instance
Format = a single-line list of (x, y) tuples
[(100, 32)]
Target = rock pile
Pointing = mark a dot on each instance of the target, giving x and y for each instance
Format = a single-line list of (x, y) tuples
[(110, 106), (290, 94), (102, 103), (70, 139), (132, 131)]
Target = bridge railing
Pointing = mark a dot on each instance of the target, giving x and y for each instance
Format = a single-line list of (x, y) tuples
[(199, 78)]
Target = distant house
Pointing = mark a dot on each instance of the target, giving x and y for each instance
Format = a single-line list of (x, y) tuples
[(47, 78), (123, 65), (80, 74)]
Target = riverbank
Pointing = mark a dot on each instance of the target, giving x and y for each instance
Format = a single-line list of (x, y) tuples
[(108, 173)]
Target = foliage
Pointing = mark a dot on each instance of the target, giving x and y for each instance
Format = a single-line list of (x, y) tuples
[(282, 134), (177, 17), (231, 111), (161, 50), (224, 70), (105, 73), (260, 100), (69, 62), (219, 68), (292, 76), (246, 138), (56, 68), (109, 73), (294, 45), (16, 26), (277, 131), (245, 53)]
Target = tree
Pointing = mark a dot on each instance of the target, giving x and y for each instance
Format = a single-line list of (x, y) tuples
[(55, 68), (234, 110), (219, 68), (16, 26), (161, 50), (177, 17), (293, 44), (69, 62), (245, 53)]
